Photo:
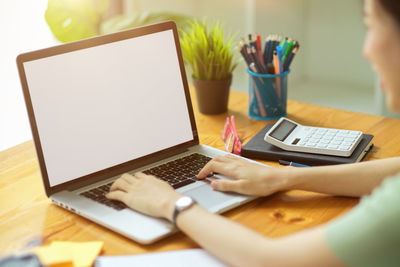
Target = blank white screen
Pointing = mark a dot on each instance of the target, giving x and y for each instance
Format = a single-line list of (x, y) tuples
[(106, 105)]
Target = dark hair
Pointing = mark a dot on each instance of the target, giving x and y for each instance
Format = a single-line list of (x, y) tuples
[(392, 7)]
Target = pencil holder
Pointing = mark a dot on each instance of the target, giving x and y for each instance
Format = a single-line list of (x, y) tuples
[(267, 95)]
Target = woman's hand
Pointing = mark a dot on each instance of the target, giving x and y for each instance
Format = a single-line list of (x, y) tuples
[(250, 178), (145, 194)]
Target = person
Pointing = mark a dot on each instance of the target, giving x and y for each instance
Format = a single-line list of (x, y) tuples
[(368, 235)]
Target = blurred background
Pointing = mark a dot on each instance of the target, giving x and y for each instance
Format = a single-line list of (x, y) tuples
[(329, 69)]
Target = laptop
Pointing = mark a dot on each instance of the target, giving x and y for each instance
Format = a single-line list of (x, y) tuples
[(112, 104)]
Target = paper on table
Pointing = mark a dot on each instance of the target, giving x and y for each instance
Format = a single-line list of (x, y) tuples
[(179, 258)]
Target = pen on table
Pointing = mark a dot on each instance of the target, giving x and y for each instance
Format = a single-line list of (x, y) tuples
[(243, 51), (276, 63), (273, 45), (277, 72), (290, 59), (260, 67), (252, 43), (252, 58), (279, 51), (259, 49), (284, 43), (280, 55), (277, 42), (269, 46), (291, 163), (287, 52), (253, 68), (257, 93)]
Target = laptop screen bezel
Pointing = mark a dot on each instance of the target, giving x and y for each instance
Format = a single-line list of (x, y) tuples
[(92, 42)]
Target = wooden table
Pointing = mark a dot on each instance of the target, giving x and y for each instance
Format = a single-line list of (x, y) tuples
[(27, 215)]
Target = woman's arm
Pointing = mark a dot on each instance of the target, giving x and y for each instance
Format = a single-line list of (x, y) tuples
[(346, 180), (236, 245), (227, 240), (240, 246)]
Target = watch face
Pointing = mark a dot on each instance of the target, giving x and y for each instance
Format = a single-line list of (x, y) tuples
[(184, 201)]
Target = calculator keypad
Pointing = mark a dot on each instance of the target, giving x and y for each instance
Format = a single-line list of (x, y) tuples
[(332, 139)]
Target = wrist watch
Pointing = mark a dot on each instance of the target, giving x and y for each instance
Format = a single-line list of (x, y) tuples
[(183, 203)]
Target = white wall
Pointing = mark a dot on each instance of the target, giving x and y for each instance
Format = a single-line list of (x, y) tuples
[(22, 28), (335, 34), (287, 18)]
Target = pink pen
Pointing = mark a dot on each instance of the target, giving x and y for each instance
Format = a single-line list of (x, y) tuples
[(233, 124), (227, 141), (224, 133), (237, 146)]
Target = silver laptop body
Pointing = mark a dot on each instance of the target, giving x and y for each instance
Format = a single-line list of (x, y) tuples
[(108, 105)]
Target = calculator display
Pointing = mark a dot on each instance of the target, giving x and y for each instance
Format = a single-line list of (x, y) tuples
[(283, 130)]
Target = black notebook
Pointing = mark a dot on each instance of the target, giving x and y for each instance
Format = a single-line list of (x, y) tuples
[(257, 148)]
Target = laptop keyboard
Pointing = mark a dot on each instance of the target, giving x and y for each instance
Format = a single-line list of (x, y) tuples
[(177, 173), (98, 194), (180, 172)]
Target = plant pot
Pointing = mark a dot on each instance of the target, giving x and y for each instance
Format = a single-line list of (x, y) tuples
[(212, 96)]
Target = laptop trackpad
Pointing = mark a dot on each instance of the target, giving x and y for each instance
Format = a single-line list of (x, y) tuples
[(212, 200)]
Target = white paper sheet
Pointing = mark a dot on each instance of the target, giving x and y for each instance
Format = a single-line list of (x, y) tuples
[(178, 258)]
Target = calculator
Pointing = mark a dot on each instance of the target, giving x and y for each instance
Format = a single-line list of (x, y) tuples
[(291, 136)]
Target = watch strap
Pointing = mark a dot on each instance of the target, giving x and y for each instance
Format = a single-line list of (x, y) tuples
[(177, 210)]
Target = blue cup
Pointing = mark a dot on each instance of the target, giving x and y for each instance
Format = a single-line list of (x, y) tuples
[(267, 95)]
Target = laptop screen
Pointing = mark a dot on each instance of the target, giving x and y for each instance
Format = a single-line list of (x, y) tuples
[(108, 104)]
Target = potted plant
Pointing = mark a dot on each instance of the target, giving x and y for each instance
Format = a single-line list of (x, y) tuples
[(210, 55)]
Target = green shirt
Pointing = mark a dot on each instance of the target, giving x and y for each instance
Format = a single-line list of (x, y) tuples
[(369, 235)]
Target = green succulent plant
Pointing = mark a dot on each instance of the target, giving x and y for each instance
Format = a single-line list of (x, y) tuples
[(209, 53)]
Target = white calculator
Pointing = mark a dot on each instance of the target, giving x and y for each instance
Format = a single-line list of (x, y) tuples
[(291, 136)]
